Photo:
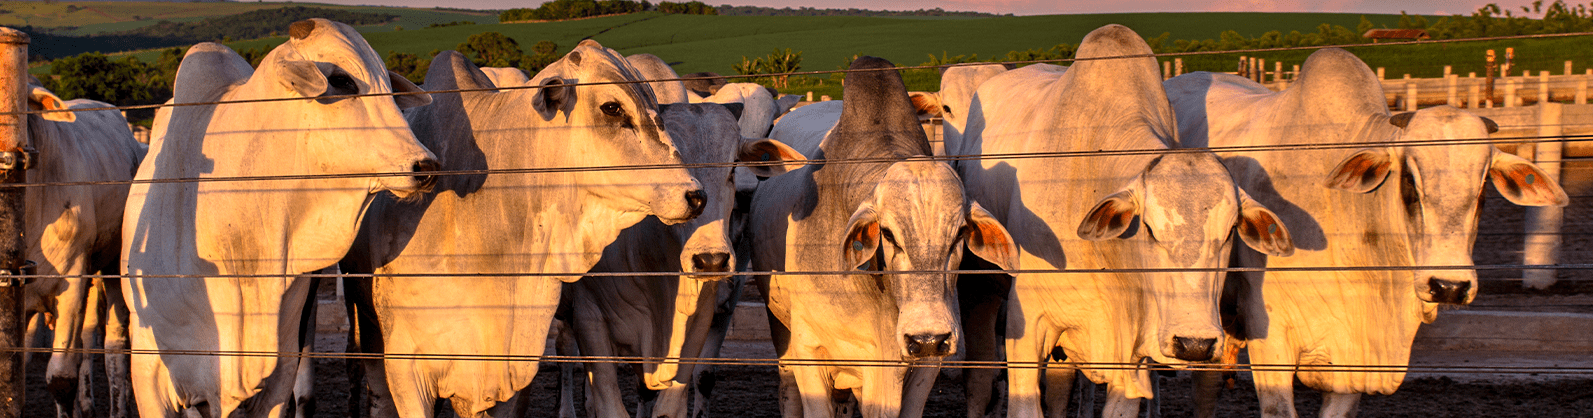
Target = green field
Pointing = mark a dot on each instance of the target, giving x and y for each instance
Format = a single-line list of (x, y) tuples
[(714, 43)]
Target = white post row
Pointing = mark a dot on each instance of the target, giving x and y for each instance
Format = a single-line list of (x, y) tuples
[(1543, 223)]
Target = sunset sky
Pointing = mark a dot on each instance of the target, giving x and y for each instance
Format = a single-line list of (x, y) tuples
[(1036, 7)]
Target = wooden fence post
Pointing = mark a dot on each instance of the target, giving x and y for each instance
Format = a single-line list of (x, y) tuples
[(1488, 88), (1543, 88), (1447, 70), (1178, 66), (1581, 91), (1277, 71), (1567, 67), (1296, 72), (1510, 93), (1473, 95), (1454, 93), (1543, 223), (1167, 70), (1410, 95), (13, 137)]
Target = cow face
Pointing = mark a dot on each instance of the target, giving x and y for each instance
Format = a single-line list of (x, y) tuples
[(1182, 212), (917, 221), (324, 58), (618, 125), (708, 134), (1436, 193)]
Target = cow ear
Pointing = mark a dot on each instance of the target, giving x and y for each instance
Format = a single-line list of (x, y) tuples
[(1261, 229), (769, 150), (927, 105), (862, 237), (1362, 172), (1111, 217), (989, 240), (1402, 120), (1493, 127), (303, 77), (43, 99), (1523, 183), (735, 109), (552, 96), (402, 85)]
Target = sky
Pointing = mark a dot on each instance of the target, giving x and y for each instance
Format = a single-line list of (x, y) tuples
[(1038, 7)]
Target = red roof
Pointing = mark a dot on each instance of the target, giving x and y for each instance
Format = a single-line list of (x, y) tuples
[(1395, 34)]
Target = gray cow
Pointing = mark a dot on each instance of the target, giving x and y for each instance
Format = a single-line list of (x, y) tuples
[(899, 212)]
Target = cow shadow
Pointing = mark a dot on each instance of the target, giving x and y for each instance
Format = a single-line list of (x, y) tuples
[(1303, 227)]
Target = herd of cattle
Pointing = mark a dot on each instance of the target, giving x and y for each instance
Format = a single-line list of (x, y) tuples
[(1096, 190)]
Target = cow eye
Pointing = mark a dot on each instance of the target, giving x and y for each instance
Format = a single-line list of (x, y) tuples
[(611, 109), (886, 235), (945, 109), (342, 84), (1409, 193)]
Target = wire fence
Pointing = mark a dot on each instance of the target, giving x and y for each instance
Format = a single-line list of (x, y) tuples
[(1561, 370)]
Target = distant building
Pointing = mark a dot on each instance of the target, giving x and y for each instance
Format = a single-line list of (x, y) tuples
[(1396, 34)]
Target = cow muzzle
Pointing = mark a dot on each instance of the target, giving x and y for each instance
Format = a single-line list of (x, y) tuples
[(928, 345), (1191, 348), (425, 182), (1453, 292), (710, 262)]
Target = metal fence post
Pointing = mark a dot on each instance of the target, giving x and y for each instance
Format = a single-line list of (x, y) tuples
[(13, 163)]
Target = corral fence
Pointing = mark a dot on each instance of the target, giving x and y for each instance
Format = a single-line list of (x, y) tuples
[(1547, 133)]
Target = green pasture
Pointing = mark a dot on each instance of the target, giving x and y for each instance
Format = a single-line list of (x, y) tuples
[(695, 43)]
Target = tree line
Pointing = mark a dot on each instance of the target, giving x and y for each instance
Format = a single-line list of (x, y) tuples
[(728, 10), (576, 9)]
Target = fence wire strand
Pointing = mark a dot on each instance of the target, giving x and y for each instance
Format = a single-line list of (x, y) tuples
[(1559, 370)]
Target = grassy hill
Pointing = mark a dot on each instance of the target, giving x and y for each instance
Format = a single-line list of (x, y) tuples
[(715, 43)]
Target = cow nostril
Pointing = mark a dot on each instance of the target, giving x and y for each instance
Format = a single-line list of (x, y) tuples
[(1193, 349), (1448, 291), (428, 165), (929, 345), (715, 262), (696, 200)]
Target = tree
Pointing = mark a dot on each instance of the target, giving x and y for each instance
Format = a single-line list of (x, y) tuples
[(492, 49)]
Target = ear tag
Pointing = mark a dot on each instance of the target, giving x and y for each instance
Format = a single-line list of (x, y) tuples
[(1272, 229), (857, 245), (1531, 178), (766, 157)]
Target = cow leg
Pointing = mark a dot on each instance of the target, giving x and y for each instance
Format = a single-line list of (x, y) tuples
[(61, 376), (603, 395), (565, 346), (408, 396), (118, 364), (1275, 389), (814, 391), (1340, 405), (704, 376), (981, 299), (304, 374), (1153, 404), (93, 322), (1025, 353), (1086, 396), (1208, 390), (1118, 404), (920, 381), (1058, 389)]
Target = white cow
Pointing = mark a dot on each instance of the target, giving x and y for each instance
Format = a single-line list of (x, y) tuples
[(1378, 205), (650, 67), (267, 231), (760, 110), (952, 103), (506, 76), (507, 225), (75, 230), (652, 316), (904, 213), (1122, 210)]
